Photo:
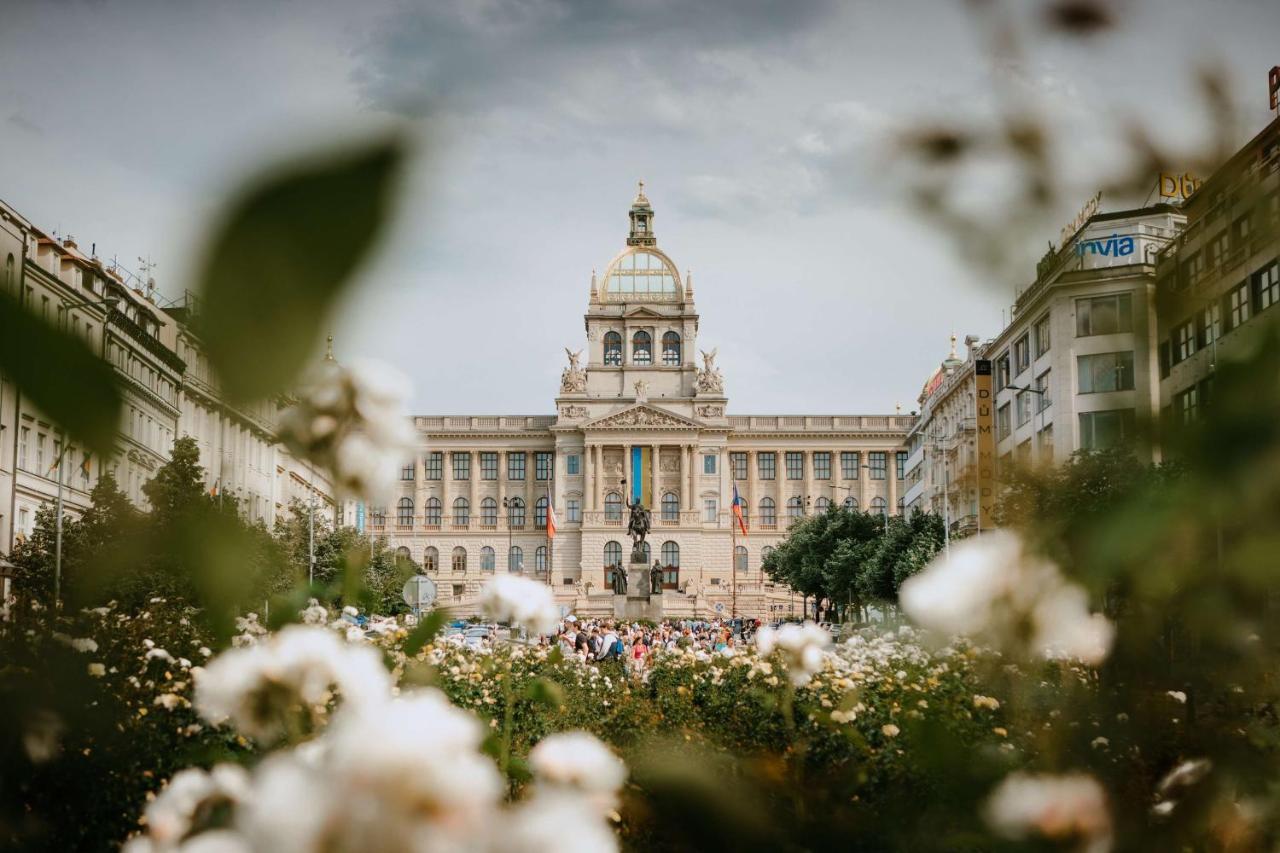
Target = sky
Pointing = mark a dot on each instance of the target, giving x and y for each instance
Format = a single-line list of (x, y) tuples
[(768, 135)]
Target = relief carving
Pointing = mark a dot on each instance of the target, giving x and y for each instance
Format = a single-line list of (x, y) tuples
[(573, 380), (641, 417), (573, 412), (709, 380), (711, 411)]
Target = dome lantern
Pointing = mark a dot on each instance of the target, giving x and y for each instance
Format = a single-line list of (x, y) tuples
[(641, 221)]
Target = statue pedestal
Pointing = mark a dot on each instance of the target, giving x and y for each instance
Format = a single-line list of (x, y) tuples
[(638, 603)]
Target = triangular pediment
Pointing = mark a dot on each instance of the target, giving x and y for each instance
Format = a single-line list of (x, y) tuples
[(641, 312), (641, 415)]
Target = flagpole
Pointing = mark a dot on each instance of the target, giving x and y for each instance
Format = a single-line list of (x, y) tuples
[(733, 553), (57, 546)]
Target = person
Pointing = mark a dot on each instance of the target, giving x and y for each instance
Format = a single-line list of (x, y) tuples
[(639, 655), (608, 644)]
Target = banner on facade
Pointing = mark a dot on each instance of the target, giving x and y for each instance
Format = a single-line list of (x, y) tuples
[(642, 476), (985, 424)]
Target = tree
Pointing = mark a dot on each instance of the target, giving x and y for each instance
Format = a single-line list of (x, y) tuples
[(178, 485)]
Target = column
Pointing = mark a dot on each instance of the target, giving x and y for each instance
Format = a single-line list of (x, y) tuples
[(657, 493), (446, 499), (684, 475), (597, 469), (753, 499), (693, 476), (892, 474), (780, 480), (473, 465), (863, 475), (807, 460)]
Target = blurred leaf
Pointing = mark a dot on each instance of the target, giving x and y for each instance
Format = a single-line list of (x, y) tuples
[(427, 628), (280, 259), (546, 691), (63, 377), (1080, 17)]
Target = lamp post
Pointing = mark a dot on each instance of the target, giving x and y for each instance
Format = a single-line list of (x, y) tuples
[(1039, 407), (506, 509)]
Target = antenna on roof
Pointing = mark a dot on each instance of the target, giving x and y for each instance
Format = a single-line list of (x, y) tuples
[(145, 267)]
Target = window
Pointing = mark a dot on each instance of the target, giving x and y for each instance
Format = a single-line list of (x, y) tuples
[(515, 466), (1218, 248), (1004, 422), (515, 559), (573, 510), (406, 472), (850, 462), (461, 512), (431, 559), (1192, 268), (1023, 405), (459, 589), (612, 554), (613, 507), (1240, 230), (879, 507), (1043, 400), (1022, 354), (489, 513), (540, 513), (795, 465), (1045, 439), (488, 465), (515, 512), (25, 433), (877, 461), (459, 560), (1238, 305), (433, 512), (1184, 341), (766, 463), (821, 505), (488, 559), (768, 513), (1186, 404), (612, 348), (795, 508), (641, 347), (710, 510), (1104, 315), (1100, 430), (1209, 323), (540, 560), (1266, 285), (670, 554), (851, 503), (543, 464), (435, 465), (573, 464), (1043, 338), (671, 349), (461, 465), (1108, 371), (708, 463), (404, 511), (740, 558), (822, 464), (670, 507), (40, 469), (1002, 371), (738, 465)]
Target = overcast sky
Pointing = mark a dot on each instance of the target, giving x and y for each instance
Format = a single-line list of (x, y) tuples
[(762, 131)]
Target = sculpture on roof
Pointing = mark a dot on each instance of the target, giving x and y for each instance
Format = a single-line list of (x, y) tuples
[(573, 380), (709, 380)]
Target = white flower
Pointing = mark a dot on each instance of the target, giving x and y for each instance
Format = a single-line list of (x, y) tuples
[(577, 762), (169, 701), (170, 814), (84, 644), (97, 670), (986, 702), (890, 730), (1071, 806), (1177, 696), (801, 647), (547, 822), (511, 598), (350, 611), (160, 654), (1185, 775)]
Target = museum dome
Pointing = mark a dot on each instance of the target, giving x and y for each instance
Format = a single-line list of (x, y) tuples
[(641, 271)]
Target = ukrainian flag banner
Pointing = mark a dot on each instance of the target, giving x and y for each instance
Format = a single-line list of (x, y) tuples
[(642, 476)]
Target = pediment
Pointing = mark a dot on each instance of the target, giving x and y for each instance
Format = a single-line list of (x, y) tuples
[(641, 415), (642, 312)]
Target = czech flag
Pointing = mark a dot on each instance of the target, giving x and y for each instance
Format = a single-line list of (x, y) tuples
[(551, 517), (737, 510)]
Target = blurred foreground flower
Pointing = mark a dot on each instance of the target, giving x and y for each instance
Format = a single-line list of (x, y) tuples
[(993, 587), (801, 647), (1069, 807), (520, 601), (578, 765)]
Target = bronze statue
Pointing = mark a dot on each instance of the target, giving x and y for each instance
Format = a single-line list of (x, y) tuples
[(619, 580), (655, 578)]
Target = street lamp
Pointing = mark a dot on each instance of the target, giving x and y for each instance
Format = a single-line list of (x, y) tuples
[(1039, 407), (506, 508)]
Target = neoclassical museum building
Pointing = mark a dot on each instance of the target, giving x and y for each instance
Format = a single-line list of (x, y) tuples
[(637, 417)]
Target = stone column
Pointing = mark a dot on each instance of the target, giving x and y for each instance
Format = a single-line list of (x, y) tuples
[(655, 468), (753, 498), (598, 467), (693, 475), (892, 473), (446, 493), (863, 476), (473, 466), (807, 461)]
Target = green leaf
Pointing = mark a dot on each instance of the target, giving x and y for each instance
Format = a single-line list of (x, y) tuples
[(427, 628), (275, 267), (62, 376), (546, 691)]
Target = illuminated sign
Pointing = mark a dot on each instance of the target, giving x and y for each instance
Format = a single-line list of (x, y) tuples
[(1273, 84), (1178, 186), (1112, 246), (985, 423), (1089, 209)]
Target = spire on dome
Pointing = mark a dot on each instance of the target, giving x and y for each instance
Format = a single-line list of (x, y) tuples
[(595, 292), (641, 221), (688, 284)]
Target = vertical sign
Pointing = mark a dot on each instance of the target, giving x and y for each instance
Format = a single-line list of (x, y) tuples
[(360, 516), (985, 424), (1273, 84)]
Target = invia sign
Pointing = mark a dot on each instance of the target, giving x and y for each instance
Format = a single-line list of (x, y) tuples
[(1112, 246)]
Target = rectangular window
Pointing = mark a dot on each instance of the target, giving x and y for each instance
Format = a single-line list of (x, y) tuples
[(878, 462), (572, 510), (1218, 248), (1002, 371), (543, 464), (708, 463), (1184, 341), (435, 465), (461, 465), (515, 466), (1186, 404), (1100, 430), (822, 465), (1043, 400), (22, 447), (1042, 336), (795, 465), (1240, 231), (1104, 315), (1108, 371), (1022, 354), (406, 472), (900, 464), (1238, 306), (738, 464), (1045, 440), (1192, 269), (1022, 403), (488, 465), (40, 440), (709, 513), (573, 464), (1266, 286), (850, 462), (1209, 324), (767, 463), (1004, 422)]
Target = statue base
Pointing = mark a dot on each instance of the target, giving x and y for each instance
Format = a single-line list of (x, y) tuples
[(638, 603)]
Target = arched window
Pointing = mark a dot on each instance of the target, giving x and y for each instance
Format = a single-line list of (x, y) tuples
[(671, 349), (515, 512), (459, 559), (378, 516), (431, 558), (515, 559), (768, 512), (433, 512), (765, 552), (613, 507), (402, 555), (740, 558), (488, 560), (641, 347), (795, 507), (612, 348), (851, 503), (612, 553), (878, 506), (821, 505), (461, 512), (670, 554), (540, 560), (540, 513), (489, 512), (670, 507), (404, 511)]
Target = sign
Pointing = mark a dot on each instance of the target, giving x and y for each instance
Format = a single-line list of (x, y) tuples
[(360, 516), (419, 592), (1273, 84), (1112, 246), (1178, 186), (1089, 209), (719, 606), (985, 423)]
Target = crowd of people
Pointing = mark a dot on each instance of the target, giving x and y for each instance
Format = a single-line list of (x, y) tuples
[(635, 643)]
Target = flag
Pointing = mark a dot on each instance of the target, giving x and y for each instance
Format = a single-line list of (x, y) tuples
[(84, 464), (642, 476), (551, 517), (213, 493), (737, 510)]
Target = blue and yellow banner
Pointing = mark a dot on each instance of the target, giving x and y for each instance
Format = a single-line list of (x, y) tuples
[(642, 476)]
